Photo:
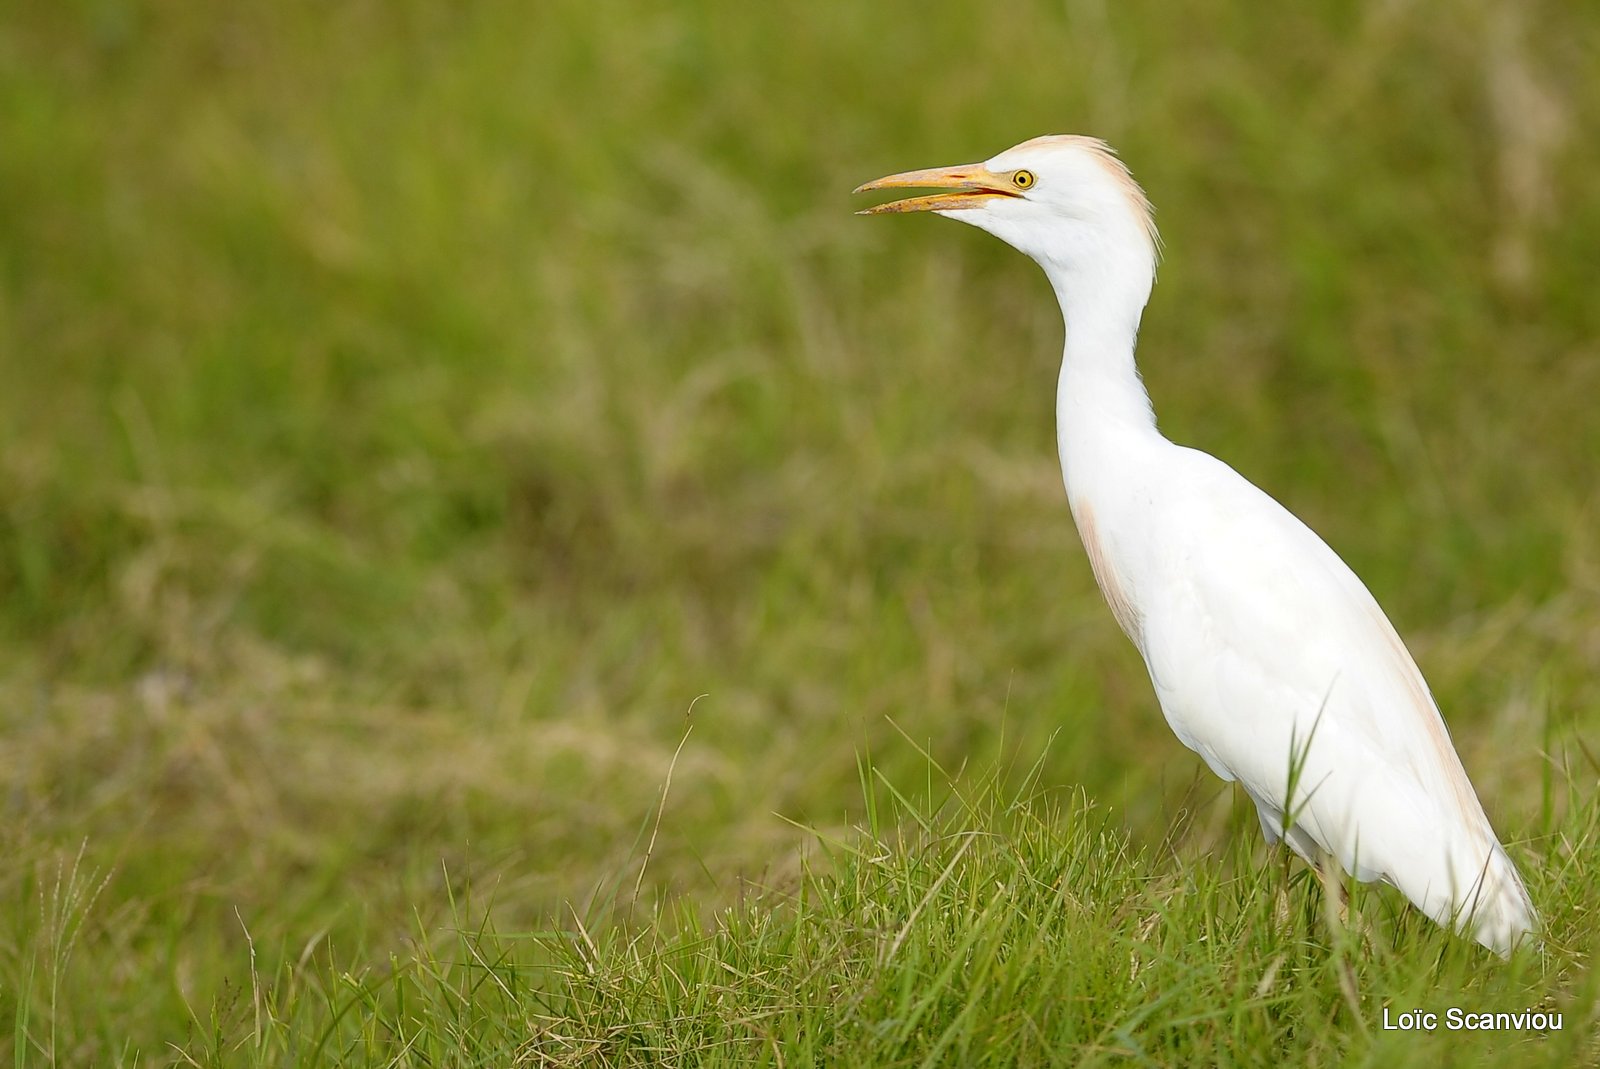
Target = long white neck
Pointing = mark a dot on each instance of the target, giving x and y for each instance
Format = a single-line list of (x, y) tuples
[(1103, 414)]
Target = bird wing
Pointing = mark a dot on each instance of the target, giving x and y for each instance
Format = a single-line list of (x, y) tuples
[(1273, 661)]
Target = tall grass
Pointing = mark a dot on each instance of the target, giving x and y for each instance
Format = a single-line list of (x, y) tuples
[(409, 412)]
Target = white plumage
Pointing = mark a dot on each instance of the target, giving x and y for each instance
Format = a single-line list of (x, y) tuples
[(1270, 658)]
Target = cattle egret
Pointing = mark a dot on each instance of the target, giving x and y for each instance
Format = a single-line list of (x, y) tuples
[(1270, 658)]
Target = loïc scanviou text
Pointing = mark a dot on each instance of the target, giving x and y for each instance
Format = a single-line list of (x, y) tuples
[(1456, 1019)]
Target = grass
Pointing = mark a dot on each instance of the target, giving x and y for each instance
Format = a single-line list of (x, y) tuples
[(974, 919), (410, 413), (1027, 931)]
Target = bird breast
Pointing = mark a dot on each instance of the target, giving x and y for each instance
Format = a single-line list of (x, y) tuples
[(1106, 575)]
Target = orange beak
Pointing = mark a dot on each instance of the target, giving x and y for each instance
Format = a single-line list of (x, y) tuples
[(970, 185)]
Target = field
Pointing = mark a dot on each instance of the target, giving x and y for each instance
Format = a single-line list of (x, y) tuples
[(499, 566)]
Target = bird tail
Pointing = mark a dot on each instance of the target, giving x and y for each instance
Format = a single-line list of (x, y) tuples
[(1496, 909)]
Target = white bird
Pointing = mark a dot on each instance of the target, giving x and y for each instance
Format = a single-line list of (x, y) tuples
[(1270, 658)]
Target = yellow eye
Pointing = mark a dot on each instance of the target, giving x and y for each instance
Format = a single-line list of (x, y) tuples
[(1022, 179)]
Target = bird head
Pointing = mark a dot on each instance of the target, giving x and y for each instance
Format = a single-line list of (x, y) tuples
[(1067, 201)]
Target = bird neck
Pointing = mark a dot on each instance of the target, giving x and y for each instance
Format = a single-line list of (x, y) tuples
[(1101, 404)]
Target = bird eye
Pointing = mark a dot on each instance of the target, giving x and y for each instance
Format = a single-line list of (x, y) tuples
[(1022, 179)]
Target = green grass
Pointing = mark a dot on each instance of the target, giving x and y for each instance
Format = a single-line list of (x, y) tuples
[(408, 412), (971, 920)]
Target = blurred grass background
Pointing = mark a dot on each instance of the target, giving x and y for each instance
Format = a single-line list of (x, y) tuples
[(408, 411)]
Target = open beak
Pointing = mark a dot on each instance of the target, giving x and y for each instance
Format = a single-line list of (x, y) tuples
[(970, 185)]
